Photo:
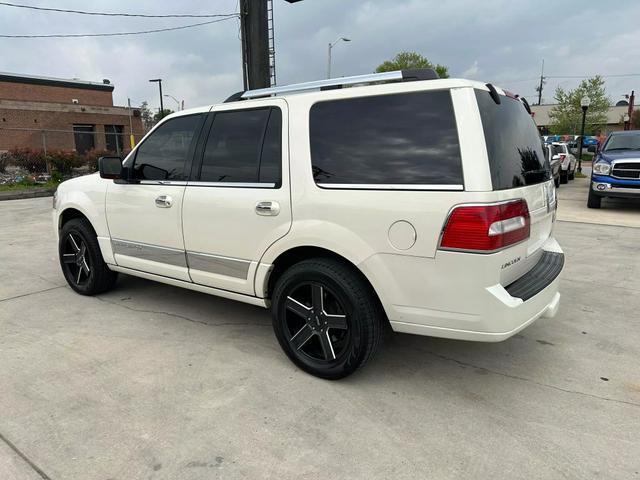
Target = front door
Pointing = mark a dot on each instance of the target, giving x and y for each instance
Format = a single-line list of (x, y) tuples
[(144, 214), (239, 203)]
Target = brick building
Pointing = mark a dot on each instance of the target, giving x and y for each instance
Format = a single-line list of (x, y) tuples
[(51, 113)]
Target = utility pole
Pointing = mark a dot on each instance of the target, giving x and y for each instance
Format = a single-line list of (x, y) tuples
[(541, 84), (255, 44), (132, 140), (632, 100)]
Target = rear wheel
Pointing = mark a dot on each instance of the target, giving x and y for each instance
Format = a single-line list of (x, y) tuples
[(564, 177), (81, 260), (593, 200), (556, 181), (572, 174), (326, 317)]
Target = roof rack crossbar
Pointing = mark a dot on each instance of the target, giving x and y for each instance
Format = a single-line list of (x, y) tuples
[(331, 82)]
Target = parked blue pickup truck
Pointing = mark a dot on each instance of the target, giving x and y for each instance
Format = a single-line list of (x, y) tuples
[(616, 168)]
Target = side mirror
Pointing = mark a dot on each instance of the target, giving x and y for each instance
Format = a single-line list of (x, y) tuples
[(110, 168), (591, 148)]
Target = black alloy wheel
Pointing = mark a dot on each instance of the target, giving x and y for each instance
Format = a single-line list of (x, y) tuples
[(81, 259), (326, 317), (75, 261)]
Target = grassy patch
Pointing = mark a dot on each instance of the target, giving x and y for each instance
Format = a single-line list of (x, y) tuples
[(580, 175), (18, 187)]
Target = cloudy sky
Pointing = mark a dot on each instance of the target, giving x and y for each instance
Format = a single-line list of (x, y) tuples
[(498, 41)]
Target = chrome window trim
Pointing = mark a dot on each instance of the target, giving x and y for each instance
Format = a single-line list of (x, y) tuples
[(231, 184), (153, 253), (219, 265), (384, 186), (179, 183)]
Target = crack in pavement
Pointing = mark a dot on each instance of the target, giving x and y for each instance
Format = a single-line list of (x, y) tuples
[(18, 452), (183, 317), (524, 379), (31, 293)]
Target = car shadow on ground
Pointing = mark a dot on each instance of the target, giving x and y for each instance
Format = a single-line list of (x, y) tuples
[(400, 355)]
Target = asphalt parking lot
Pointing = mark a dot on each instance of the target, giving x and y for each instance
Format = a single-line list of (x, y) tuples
[(154, 382)]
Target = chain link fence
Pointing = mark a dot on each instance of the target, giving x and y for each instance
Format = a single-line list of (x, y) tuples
[(40, 156)]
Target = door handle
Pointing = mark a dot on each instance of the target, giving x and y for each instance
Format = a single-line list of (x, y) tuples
[(268, 209), (164, 201)]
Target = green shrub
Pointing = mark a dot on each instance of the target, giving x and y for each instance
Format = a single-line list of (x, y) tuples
[(31, 160), (63, 161)]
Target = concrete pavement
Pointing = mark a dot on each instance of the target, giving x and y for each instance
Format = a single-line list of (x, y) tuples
[(154, 382)]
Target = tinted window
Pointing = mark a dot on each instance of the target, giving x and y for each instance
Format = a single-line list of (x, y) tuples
[(237, 142), (408, 138), (271, 161), (162, 156), (513, 143)]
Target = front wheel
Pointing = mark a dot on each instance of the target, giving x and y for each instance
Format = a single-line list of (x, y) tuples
[(326, 317), (81, 260), (593, 200)]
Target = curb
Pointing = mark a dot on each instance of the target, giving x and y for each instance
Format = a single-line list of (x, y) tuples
[(20, 195)]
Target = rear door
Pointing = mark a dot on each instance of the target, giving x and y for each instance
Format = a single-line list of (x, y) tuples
[(519, 168), (239, 202)]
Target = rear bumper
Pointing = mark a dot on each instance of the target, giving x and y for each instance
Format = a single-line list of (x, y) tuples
[(455, 296)]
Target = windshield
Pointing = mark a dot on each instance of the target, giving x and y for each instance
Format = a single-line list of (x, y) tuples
[(623, 142)]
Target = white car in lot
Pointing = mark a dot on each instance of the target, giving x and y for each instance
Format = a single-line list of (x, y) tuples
[(404, 199), (567, 160)]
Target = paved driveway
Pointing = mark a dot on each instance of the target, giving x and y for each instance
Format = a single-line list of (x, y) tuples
[(153, 382)]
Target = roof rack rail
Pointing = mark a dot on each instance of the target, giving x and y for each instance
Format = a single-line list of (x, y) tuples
[(332, 83)]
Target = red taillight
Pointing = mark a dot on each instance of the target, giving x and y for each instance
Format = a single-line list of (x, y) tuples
[(486, 228), (562, 156)]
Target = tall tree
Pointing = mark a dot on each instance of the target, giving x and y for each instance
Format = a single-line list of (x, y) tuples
[(566, 116), (147, 116), (406, 60)]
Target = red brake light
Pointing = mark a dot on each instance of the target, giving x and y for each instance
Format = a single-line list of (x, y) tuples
[(486, 228), (562, 156)]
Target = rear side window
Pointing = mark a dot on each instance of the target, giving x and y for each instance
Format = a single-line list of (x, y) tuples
[(163, 155), (401, 139), (513, 143), (244, 146)]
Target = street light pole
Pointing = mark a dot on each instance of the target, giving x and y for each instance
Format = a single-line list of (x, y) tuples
[(331, 45), (159, 82), (584, 104), (180, 105)]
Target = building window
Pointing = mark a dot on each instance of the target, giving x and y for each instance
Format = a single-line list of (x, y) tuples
[(84, 137), (113, 138)]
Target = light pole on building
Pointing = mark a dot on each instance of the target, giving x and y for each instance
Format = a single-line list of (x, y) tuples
[(584, 104), (159, 82), (331, 45)]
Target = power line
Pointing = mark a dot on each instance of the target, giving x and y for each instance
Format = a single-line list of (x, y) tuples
[(589, 76), (119, 34), (107, 14)]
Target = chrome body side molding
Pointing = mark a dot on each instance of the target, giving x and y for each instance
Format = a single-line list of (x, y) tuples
[(230, 267), (170, 256)]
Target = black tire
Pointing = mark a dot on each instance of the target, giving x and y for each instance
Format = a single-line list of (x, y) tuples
[(572, 174), (353, 340), (556, 181), (81, 260), (593, 200), (564, 177)]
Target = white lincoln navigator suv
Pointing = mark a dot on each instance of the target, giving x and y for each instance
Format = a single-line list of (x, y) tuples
[(341, 205)]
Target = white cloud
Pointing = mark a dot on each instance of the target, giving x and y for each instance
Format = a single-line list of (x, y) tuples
[(472, 71)]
